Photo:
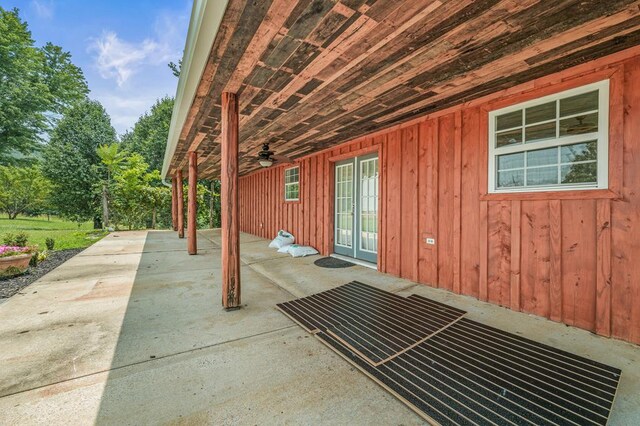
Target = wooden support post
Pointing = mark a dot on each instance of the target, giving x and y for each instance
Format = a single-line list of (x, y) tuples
[(229, 203), (180, 206), (174, 203), (192, 204)]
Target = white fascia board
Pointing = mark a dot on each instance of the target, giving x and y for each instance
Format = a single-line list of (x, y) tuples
[(206, 17)]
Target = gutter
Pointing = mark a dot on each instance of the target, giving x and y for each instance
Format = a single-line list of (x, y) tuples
[(206, 17)]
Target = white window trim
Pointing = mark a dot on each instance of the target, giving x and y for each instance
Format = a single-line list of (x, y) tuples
[(286, 185), (602, 135)]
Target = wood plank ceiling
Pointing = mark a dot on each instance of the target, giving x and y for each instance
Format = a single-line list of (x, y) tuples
[(314, 73)]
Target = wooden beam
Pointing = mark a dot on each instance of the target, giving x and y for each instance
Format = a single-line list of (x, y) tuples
[(229, 202), (174, 203), (192, 204), (180, 202)]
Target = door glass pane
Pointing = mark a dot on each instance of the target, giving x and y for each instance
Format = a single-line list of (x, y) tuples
[(368, 205), (343, 205)]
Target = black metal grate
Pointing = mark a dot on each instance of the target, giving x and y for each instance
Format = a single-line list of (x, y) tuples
[(466, 372), (375, 324)]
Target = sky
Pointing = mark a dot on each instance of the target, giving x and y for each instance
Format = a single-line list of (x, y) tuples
[(122, 46)]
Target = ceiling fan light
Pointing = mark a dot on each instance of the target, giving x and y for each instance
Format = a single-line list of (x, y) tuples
[(266, 163)]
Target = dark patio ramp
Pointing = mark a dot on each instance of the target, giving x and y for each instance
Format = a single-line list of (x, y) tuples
[(462, 372)]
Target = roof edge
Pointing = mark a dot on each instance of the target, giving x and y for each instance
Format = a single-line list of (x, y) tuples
[(206, 17)]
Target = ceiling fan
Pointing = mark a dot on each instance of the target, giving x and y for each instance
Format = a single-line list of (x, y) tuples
[(267, 157)]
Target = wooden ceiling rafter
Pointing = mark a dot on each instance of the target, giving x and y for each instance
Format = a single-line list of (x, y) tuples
[(314, 73)]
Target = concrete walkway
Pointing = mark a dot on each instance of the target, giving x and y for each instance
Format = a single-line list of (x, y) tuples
[(131, 332)]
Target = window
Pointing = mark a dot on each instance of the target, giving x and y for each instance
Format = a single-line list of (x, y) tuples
[(558, 142), (292, 184)]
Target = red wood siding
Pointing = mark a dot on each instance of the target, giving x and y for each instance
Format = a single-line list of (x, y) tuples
[(569, 256)]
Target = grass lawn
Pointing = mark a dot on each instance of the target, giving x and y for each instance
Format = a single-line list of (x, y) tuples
[(67, 235)]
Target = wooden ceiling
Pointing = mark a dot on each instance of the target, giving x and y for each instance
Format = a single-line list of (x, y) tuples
[(315, 73)]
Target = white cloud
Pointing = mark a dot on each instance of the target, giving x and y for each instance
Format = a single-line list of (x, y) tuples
[(43, 8), (118, 59), (129, 74), (125, 108)]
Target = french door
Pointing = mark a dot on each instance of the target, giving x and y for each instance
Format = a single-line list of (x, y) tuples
[(356, 208)]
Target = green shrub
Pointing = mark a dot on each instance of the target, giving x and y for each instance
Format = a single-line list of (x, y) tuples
[(9, 240), (22, 239), (37, 257), (50, 243), (17, 240)]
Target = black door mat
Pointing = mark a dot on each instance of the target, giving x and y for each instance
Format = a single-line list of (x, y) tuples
[(470, 373), (375, 324), (332, 262)]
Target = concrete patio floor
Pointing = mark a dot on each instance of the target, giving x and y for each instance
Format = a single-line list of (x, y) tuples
[(131, 331)]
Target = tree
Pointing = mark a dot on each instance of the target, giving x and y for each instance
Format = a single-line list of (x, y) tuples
[(159, 198), (215, 220), (132, 197), (23, 93), (65, 81), (175, 68), (112, 158), (72, 163), (150, 133), (22, 190), (36, 86)]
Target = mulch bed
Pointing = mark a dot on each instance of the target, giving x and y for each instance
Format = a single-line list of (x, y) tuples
[(11, 286)]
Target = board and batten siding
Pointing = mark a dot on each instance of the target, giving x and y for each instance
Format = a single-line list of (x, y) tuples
[(571, 256)]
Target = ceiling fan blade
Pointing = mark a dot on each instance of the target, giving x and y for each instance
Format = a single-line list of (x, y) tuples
[(281, 158)]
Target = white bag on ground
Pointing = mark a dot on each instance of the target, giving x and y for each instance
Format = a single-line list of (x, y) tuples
[(284, 249), (282, 239), (300, 251)]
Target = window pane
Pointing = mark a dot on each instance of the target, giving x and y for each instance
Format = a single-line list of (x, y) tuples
[(579, 125), (509, 138), (542, 157), (579, 152), (511, 179), (291, 175), (542, 176), (580, 173), (509, 120), (294, 190), (540, 113), (511, 161), (579, 103), (540, 132)]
